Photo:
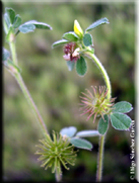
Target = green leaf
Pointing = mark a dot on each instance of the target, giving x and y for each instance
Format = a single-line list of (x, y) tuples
[(81, 143), (120, 121), (69, 131), (81, 66), (97, 23), (31, 25), (39, 25), (6, 23), (70, 65), (5, 54), (103, 125), (71, 36), (87, 39), (11, 14), (122, 107), (26, 27), (87, 133), (59, 43), (17, 21)]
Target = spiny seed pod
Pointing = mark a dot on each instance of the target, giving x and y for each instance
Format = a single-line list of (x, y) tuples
[(56, 152), (96, 103)]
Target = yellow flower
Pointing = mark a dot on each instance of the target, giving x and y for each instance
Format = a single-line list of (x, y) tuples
[(77, 29)]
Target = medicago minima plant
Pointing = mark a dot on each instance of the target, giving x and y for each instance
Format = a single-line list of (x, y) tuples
[(59, 149)]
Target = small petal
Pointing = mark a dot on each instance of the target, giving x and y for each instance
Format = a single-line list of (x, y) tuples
[(76, 52), (77, 29), (66, 57)]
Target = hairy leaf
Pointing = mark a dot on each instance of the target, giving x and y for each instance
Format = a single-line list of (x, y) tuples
[(97, 23), (120, 121), (81, 66), (103, 125), (81, 143), (69, 131), (122, 107)]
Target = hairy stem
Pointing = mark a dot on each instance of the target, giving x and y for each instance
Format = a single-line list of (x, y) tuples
[(27, 95), (100, 158), (103, 71), (24, 89), (58, 177), (102, 137)]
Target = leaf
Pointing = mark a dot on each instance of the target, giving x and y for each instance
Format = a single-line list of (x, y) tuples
[(25, 28), (59, 43), (81, 66), (103, 125), (70, 65), (31, 25), (87, 39), (39, 25), (5, 54), (122, 107), (6, 23), (97, 23), (81, 143), (71, 36), (11, 14), (120, 121), (69, 131), (17, 21), (87, 133)]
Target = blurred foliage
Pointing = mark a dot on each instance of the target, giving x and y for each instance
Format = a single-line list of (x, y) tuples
[(56, 91)]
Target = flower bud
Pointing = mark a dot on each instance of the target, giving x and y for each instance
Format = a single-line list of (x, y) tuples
[(77, 29)]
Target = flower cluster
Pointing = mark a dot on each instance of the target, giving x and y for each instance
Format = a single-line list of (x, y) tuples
[(71, 52), (96, 103), (56, 152)]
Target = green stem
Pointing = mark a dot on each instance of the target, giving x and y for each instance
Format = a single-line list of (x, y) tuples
[(103, 71), (100, 159), (58, 177), (102, 137), (27, 95), (25, 91), (13, 51)]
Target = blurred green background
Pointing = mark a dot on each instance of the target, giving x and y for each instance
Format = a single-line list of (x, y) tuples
[(56, 91)]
